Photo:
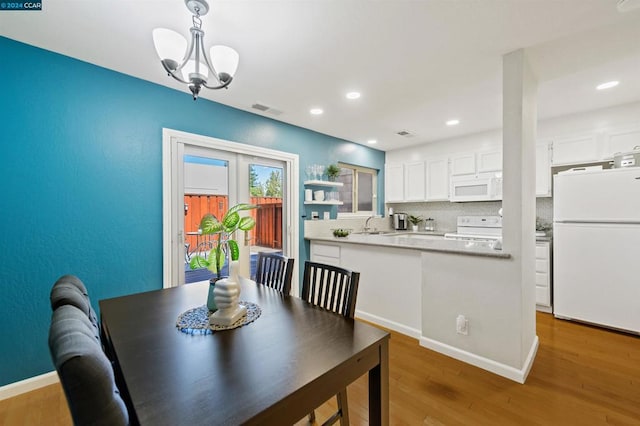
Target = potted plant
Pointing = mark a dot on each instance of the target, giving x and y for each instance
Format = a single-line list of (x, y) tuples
[(415, 221), (333, 171), (225, 246)]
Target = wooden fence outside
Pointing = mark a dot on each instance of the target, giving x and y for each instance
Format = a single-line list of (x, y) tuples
[(268, 230)]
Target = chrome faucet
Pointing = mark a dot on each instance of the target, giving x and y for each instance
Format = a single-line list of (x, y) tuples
[(366, 224)]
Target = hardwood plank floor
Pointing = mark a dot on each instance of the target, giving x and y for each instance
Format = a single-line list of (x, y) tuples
[(581, 376)]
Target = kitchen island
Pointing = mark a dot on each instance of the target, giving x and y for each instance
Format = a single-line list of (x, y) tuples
[(419, 284)]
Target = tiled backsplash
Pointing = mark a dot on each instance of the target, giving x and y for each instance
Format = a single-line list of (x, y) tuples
[(446, 213)]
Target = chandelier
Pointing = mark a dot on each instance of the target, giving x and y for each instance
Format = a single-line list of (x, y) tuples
[(190, 64)]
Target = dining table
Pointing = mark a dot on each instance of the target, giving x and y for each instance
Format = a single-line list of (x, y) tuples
[(273, 371)]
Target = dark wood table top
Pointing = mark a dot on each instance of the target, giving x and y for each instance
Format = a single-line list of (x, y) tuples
[(272, 371)]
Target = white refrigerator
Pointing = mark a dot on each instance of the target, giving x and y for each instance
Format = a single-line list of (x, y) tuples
[(596, 247)]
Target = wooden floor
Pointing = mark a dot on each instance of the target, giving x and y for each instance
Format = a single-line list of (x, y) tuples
[(581, 376)]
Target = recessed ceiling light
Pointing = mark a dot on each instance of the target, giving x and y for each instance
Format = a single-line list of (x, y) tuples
[(372, 141), (316, 111), (452, 122), (353, 95), (607, 85)]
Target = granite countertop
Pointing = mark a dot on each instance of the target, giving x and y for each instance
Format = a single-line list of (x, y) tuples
[(423, 241)]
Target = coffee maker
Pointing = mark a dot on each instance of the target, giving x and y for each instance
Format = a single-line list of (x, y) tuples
[(400, 221)]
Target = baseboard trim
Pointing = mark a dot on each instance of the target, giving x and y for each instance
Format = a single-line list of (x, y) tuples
[(391, 325), (504, 370), (27, 385)]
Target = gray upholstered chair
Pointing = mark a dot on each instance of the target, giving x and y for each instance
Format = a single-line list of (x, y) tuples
[(85, 372), (275, 271), (69, 290), (335, 289)]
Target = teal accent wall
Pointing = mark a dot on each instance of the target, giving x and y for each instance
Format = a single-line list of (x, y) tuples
[(81, 176)]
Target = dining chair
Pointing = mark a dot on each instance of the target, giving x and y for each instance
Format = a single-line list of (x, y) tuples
[(275, 271), (70, 290), (85, 373), (335, 289)]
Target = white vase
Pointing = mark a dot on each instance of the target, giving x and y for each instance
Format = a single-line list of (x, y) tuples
[(227, 295), (414, 228)]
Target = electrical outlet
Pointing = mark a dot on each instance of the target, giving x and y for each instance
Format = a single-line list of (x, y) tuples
[(462, 325)]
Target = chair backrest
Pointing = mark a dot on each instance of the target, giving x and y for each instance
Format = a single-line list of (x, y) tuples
[(275, 271), (330, 287), (69, 290), (84, 370)]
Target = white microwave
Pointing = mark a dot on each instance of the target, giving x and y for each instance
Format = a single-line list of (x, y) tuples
[(477, 187)]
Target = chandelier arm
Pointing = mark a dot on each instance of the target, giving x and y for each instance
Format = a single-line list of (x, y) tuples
[(221, 86), (188, 52), (172, 73)]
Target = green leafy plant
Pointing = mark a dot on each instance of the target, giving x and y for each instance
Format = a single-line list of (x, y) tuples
[(415, 220), (333, 171), (224, 229)]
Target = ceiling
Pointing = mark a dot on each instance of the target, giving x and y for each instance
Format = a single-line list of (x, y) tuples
[(416, 63)]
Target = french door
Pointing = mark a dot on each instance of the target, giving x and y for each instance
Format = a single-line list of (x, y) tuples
[(207, 175)]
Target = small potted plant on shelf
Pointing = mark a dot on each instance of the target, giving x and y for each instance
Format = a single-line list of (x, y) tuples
[(415, 221), (333, 171)]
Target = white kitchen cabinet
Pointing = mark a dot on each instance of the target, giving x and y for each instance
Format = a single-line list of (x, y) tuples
[(621, 140), (326, 253), (543, 170), (414, 181), (489, 161), (394, 182), (437, 179), (576, 150), (543, 276), (463, 164)]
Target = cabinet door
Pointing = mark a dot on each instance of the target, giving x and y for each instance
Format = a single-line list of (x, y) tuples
[(438, 179), (543, 171), (490, 161), (463, 164), (621, 140), (414, 181), (393, 182), (576, 150)]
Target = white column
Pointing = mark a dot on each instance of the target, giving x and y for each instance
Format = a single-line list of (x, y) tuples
[(519, 200)]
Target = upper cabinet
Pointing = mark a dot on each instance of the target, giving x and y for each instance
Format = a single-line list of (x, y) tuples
[(476, 162), (414, 181), (393, 182), (489, 161), (463, 164), (621, 140), (417, 181), (576, 150), (437, 179)]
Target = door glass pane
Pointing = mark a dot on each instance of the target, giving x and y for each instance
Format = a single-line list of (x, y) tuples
[(266, 189), (365, 191), (206, 190)]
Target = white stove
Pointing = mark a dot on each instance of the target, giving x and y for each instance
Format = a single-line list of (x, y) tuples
[(477, 228)]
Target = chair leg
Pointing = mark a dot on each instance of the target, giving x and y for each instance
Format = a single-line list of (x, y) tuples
[(343, 407), (312, 416)]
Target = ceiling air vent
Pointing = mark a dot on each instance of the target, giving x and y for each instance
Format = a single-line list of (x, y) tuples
[(405, 134), (267, 109)]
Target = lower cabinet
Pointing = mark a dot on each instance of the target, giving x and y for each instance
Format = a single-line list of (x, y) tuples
[(543, 276), (329, 254)]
